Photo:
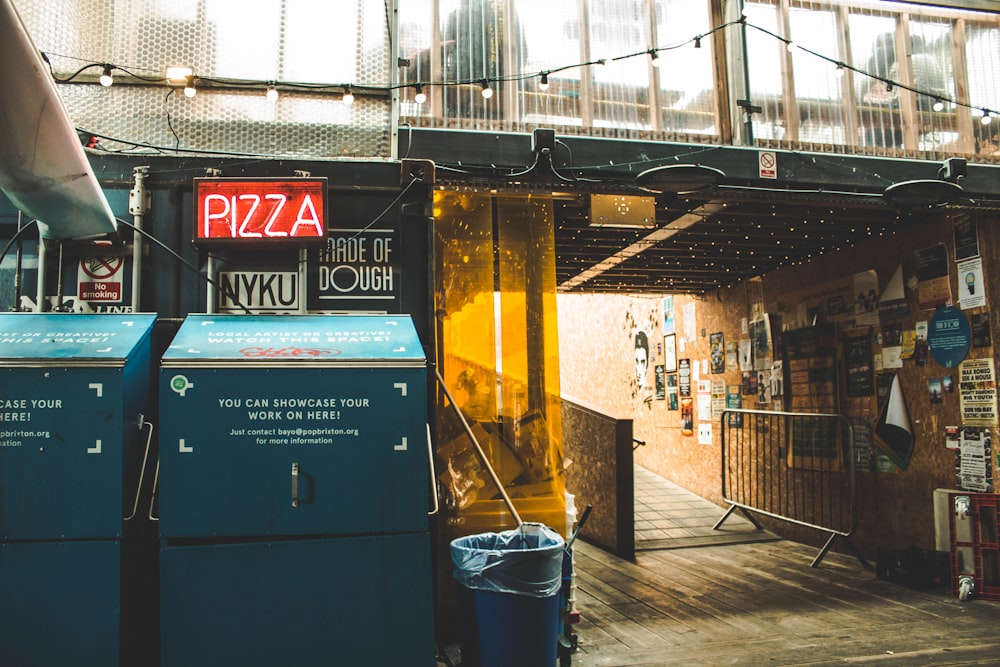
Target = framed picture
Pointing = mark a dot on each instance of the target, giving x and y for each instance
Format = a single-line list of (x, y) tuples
[(670, 353)]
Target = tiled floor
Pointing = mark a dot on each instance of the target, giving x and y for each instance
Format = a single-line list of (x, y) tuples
[(667, 516)]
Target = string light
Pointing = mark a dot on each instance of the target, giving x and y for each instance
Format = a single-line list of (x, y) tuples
[(839, 71), (419, 95), (106, 79), (272, 94), (178, 76)]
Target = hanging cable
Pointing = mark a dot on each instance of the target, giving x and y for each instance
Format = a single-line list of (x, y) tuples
[(180, 259)]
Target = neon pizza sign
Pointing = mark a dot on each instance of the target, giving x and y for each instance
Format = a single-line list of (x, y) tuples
[(265, 211)]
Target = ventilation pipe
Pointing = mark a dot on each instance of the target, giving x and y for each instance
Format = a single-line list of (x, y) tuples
[(44, 170)]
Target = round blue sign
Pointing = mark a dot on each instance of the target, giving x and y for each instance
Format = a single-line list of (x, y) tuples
[(949, 336)]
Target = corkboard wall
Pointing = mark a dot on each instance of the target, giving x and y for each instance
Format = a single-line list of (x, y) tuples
[(597, 366), (895, 506)]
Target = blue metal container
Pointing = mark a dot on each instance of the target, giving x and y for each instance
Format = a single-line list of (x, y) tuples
[(73, 438), (293, 492)]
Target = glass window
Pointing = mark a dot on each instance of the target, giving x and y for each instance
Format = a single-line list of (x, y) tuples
[(686, 78)]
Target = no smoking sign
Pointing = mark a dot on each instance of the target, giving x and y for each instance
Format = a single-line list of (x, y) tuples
[(99, 279), (767, 164)]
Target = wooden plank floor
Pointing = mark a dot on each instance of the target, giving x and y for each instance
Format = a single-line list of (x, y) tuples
[(760, 603)]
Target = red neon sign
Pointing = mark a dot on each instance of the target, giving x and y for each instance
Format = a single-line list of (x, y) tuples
[(265, 211)]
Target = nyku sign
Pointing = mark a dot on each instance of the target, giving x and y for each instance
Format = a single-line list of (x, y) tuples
[(262, 292)]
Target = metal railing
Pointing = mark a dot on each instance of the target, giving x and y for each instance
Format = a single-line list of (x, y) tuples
[(796, 467)]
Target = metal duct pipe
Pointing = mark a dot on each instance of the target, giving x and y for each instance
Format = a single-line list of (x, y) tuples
[(43, 256), (44, 170)]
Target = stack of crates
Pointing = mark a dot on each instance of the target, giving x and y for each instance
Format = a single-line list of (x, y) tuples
[(975, 549)]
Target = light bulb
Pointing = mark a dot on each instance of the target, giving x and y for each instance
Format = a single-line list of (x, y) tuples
[(543, 82), (654, 58), (419, 95), (839, 72), (272, 94), (348, 98), (938, 105), (987, 118), (106, 79), (487, 91), (189, 89)]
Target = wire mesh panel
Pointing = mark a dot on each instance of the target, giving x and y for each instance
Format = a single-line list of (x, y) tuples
[(308, 48), (797, 467)]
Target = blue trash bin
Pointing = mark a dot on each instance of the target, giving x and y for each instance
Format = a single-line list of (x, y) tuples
[(508, 596)]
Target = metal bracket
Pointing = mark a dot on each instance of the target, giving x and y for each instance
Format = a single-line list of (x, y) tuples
[(416, 170)]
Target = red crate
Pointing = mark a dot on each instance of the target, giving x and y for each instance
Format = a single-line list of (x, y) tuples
[(975, 546)]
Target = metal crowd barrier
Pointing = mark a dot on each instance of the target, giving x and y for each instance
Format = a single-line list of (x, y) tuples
[(796, 467)]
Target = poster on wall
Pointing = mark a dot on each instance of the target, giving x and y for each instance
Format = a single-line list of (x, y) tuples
[(718, 399), (684, 375), (732, 354), (672, 392), (860, 375), (975, 473), (704, 400), (949, 336), (977, 390), (690, 324), (764, 387), (760, 334), (980, 324), (661, 384), (746, 355), (668, 315), (670, 353), (933, 286), (687, 416), (734, 401), (966, 238), (971, 289), (865, 287), (893, 429), (718, 352), (892, 303)]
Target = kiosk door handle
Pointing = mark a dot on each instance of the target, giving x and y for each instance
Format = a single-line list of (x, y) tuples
[(142, 470), (295, 485)]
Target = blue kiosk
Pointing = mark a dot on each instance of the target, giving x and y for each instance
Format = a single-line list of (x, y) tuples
[(293, 492), (77, 556)]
